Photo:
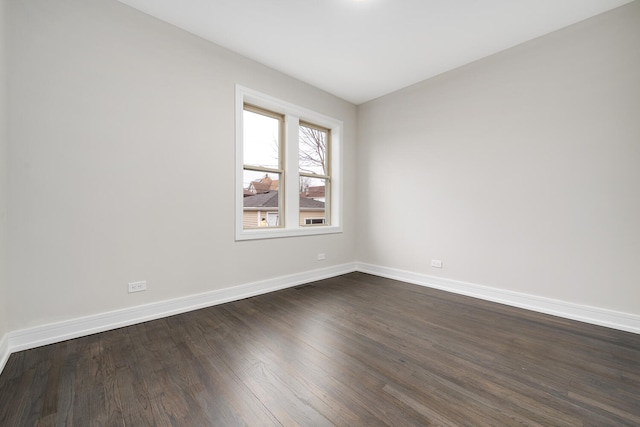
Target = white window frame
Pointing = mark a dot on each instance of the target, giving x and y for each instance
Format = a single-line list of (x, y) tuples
[(293, 115)]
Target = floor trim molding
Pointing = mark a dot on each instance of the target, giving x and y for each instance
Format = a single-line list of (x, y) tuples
[(60, 331), (593, 315), (24, 339)]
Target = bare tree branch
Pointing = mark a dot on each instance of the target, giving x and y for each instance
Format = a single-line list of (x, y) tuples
[(313, 150)]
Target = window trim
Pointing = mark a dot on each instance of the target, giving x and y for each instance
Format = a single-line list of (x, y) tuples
[(293, 115)]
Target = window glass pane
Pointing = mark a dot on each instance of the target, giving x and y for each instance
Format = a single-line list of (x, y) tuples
[(255, 182), (261, 140), (313, 150), (262, 206), (313, 197)]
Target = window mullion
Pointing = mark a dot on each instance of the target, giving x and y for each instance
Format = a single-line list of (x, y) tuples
[(292, 200)]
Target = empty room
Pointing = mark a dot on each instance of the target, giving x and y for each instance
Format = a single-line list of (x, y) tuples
[(317, 213)]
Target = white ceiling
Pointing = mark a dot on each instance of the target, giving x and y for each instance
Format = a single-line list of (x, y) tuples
[(362, 49)]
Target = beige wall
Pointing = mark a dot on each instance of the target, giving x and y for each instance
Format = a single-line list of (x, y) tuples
[(4, 153), (525, 167), (123, 163), (309, 214), (249, 219)]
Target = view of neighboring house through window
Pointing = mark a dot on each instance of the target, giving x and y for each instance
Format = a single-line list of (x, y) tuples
[(262, 172), (288, 169)]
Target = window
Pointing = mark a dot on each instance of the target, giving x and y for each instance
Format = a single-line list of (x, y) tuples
[(287, 169)]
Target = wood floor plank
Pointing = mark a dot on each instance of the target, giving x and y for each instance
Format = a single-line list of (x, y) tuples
[(351, 350), (67, 388), (299, 368), (51, 394), (349, 377)]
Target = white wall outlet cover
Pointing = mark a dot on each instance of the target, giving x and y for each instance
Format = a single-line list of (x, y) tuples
[(138, 286), (436, 263)]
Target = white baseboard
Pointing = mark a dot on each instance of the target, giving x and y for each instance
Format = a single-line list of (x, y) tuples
[(593, 315), (56, 332)]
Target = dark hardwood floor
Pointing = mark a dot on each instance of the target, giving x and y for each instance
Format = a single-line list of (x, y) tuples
[(355, 350)]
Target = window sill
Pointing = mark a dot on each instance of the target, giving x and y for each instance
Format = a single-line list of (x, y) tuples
[(274, 233)]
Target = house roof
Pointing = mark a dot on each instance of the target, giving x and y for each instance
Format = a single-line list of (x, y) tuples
[(263, 185), (314, 192), (262, 200), (270, 200)]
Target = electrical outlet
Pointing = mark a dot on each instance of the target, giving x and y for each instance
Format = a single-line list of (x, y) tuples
[(436, 263), (320, 257), (137, 286)]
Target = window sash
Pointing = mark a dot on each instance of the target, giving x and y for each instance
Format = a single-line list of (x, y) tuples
[(277, 171)]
